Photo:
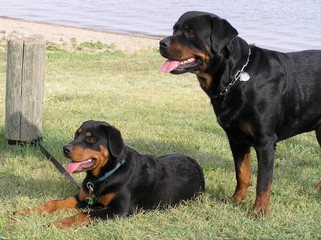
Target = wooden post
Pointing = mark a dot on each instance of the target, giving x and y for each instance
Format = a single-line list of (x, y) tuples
[(24, 88)]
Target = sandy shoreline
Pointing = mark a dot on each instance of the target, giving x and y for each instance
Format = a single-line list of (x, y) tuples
[(62, 35)]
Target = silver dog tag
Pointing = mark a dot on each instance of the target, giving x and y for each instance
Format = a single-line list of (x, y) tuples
[(244, 76)]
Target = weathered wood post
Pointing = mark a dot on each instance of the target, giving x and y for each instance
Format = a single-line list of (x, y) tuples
[(24, 88)]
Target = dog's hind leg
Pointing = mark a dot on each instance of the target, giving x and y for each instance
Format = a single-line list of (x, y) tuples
[(318, 134)]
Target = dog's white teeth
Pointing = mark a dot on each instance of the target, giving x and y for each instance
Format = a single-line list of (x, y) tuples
[(90, 160), (187, 61)]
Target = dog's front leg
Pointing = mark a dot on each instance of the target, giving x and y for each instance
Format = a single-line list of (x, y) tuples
[(265, 154), (242, 159), (84, 218), (78, 220), (117, 206), (57, 205), (113, 207), (51, 206)]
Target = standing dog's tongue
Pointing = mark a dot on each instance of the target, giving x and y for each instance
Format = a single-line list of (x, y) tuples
[(169, 66)]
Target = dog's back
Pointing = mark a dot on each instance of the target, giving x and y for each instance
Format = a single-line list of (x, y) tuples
[(187, 179), (300, 94), (172, 178)]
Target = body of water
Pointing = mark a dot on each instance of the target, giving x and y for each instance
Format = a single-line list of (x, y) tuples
[(285, 25)]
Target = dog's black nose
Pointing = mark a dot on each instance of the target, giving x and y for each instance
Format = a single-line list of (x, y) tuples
[(165, 43), (67, 149)]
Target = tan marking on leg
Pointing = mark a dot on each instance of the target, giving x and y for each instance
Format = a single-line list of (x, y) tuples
[(52, 206), (78, 220), (243, 176), (261, 205)]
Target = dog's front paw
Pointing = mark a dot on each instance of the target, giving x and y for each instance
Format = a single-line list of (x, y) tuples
[(65, 223), (38, 210), (77, 220), (258, 211), (239, 195), (22, 211)]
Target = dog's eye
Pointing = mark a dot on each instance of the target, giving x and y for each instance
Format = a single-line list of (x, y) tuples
[(90, 139), (189, 32)]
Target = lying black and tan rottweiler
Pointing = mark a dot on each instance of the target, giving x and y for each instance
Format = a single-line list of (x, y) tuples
[(259, 96), (120, 180)]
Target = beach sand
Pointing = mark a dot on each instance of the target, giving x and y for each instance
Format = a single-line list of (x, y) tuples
[(62, 35)]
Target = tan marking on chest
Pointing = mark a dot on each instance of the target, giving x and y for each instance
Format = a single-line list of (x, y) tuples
[(107, 198), (205, 79)]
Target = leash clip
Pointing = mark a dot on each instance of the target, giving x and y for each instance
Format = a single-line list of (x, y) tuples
[(90, 186), (91, 197)]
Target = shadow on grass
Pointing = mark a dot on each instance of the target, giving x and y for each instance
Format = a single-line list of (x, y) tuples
[(13, 185)]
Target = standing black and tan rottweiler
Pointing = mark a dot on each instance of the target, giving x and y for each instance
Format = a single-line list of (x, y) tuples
[(120, 180), (259, 96)]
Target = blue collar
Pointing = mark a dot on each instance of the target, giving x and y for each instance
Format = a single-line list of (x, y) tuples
[(91, 184)]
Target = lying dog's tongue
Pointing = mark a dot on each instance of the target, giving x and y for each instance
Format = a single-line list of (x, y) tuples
[(73, 166), (79, 166), (169, 66)]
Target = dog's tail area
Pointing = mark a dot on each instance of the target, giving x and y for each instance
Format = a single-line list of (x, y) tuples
[(200, 173)]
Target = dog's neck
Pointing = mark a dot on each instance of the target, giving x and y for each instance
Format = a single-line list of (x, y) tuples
[(239, 52), (227, 64), (95, 180), (240, 75)]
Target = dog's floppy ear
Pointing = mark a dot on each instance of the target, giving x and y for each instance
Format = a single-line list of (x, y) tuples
[(222, 33), (115, 141)]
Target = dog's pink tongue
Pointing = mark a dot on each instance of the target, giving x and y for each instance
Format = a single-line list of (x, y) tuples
[(169, 66), (72, 166)]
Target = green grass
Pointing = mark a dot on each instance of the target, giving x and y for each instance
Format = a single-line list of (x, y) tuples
[(157, 114)]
